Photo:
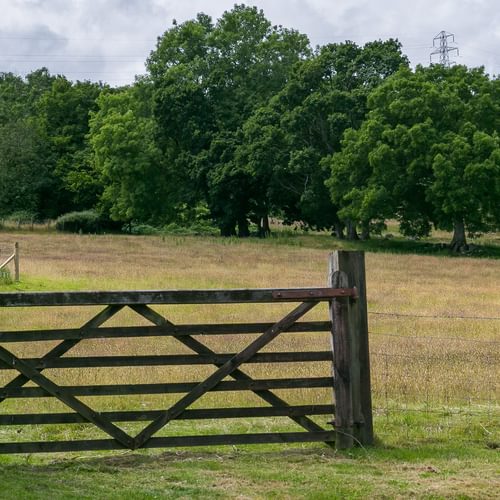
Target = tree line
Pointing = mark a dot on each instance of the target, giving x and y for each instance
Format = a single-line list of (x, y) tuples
[(238, 120)]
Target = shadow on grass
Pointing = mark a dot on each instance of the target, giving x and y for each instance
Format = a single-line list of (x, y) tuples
[(253, 454), (427, 248), (395, 245), (255, 472)]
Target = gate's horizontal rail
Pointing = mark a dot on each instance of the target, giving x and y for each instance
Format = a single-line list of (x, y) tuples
[(141, 415), (88, 298), (127, 389), (157, 331), (171, 359), (168, 442)]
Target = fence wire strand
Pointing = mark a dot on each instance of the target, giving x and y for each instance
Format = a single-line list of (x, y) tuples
[(447, 387), (429, 316), (432, 337)]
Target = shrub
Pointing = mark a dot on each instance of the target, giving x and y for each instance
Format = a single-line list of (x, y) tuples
[(198, 228), (21, 217), (141, 229), (87, 222)]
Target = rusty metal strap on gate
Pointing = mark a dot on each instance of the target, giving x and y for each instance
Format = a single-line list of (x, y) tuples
[(316, 293)]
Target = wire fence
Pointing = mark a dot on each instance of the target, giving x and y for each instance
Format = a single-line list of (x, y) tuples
[(438, 378), (407, 315)]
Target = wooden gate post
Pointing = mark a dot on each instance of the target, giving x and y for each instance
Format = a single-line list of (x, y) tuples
[(16, 262), (351, 365)]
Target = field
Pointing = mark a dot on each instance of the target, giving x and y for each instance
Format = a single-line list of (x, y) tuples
[(434, 338)]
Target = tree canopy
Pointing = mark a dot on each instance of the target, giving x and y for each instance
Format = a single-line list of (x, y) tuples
[(427, 154), (208, 79), (288, 139)]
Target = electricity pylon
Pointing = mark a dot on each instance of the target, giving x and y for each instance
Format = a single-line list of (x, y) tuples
[(443, 49)]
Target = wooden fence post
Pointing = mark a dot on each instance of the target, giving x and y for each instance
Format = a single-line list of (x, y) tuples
[(351, 365), (16, 261)]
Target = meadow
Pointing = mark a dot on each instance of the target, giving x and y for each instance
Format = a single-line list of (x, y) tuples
[(434, 324)]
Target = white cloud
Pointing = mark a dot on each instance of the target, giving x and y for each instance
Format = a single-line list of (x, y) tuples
[(110, 39)]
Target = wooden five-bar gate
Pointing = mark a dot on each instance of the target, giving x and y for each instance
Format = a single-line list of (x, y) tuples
[(350, 406)]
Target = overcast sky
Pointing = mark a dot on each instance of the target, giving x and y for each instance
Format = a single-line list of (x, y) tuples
[(109, 40)]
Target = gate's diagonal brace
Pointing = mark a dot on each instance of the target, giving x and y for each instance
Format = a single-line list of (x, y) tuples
[(200, 348), (68, 344), (225, 370), (63, 395)]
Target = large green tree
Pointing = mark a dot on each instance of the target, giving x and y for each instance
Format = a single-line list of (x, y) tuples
[(127, 161), (13, 98), (208, 79), (426, 154), (25, 176), (25, 180), (287, 141), (50, 114), (63, 111)]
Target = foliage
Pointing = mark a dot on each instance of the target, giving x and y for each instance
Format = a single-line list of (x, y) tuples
[(79, 222), (141, 229), (21, 217), (43, 148), (135, 184), (13, 97), (208, 79), (244, 119), (426, 154), (63, 112), (24, 177), (196, 228), (286, 142)]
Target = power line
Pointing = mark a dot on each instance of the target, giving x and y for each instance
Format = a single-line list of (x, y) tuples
[(96, 73), (81, 61), (65, 39), (74, 55)]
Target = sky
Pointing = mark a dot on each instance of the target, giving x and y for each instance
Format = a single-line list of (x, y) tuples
[(109, 40)]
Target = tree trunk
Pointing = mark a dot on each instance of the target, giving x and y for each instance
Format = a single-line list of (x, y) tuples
[(266, 230), (458, 242), (352, 234), (338, 230), (365, 231), (243, 230), (263, 229), (228, 229)]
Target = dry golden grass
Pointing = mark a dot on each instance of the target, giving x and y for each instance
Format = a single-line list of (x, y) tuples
[(417, 362), (441, 371)]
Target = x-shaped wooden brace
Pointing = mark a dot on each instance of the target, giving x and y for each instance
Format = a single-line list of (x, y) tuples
[(230, 368), (27, 372)]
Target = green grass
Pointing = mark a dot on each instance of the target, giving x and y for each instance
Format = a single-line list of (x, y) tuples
[(390, 241), (437, 417), (487, 246), (440, 468), (396, 467)]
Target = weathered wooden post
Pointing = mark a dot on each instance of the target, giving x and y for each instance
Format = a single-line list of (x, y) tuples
[(351, 361), (16, 261), (14, 257)]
